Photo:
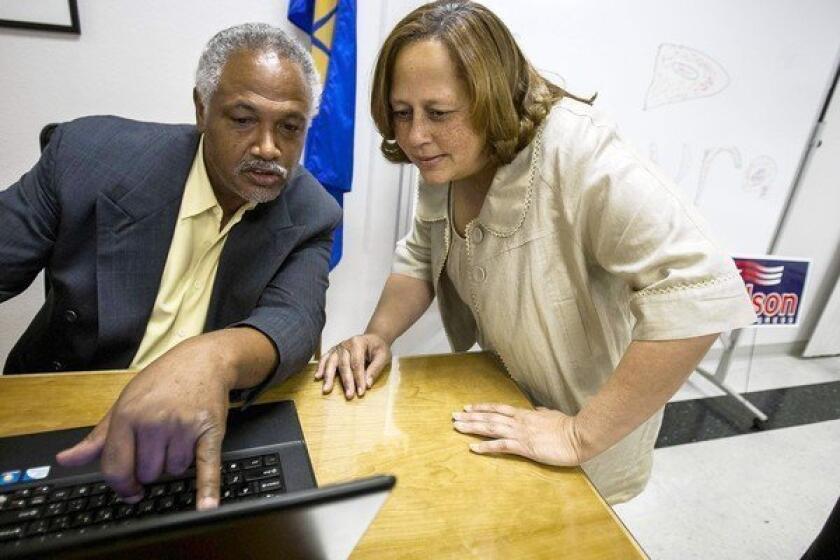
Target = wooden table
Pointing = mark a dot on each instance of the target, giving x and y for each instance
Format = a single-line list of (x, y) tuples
[(447, 502)]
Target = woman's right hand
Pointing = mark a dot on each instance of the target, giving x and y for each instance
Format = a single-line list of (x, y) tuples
[(358, 361)]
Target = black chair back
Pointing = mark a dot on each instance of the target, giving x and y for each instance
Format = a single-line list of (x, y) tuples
[(46, 134), (43, 140)]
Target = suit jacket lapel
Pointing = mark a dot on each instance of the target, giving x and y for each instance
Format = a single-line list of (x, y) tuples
[(254, 250), (135, 223)]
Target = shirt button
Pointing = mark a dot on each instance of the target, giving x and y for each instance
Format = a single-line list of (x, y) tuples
[(71, 316), (479, 274), (477, 235), (181, 334), (56, 365), (197, 285)]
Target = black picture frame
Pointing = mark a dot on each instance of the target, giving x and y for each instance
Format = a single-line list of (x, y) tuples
[(74, 27)]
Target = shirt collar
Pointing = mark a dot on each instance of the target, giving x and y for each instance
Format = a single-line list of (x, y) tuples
[(507, 200), (198, 191), (509, 197)]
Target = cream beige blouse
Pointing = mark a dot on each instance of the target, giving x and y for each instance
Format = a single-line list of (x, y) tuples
[(580, 247)]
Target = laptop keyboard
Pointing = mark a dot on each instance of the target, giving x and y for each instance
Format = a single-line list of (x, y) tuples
[(56, 510)]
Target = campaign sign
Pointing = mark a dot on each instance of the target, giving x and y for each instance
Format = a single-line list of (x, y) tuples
[(775, 286)]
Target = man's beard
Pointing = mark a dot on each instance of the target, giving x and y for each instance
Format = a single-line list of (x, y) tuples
[(258, 194)]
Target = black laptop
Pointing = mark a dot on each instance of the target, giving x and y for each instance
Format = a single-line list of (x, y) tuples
[(270, 506)]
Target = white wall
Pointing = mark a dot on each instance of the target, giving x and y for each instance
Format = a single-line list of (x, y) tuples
[(137, 60)]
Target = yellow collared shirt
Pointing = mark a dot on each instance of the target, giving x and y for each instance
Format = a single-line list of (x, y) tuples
[(186, 285)]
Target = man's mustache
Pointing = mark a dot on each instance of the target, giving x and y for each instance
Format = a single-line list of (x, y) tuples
[(261, 166)]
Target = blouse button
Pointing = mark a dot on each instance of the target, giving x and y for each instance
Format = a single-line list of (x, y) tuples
[(479, 274), (477, 235)]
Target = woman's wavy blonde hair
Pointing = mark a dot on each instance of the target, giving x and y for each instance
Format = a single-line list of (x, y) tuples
[(509, 98)]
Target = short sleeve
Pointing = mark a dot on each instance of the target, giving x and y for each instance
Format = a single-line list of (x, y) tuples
[(413, 255), (639, 228)]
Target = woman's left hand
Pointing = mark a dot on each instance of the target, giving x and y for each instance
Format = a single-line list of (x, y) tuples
[(542, 435)]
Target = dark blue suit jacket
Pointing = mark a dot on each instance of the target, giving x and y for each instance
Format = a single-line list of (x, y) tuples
[(98, 211)]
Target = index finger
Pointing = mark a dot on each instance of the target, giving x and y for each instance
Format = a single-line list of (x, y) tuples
[(208, 467), (505, 409), (330, 372), (89, 448), (486, 417)]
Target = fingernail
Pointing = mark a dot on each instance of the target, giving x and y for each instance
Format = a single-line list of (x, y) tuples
[(473, 447), (370, 382), (133, 499), (208, 503), (456, 415), (468, 407)]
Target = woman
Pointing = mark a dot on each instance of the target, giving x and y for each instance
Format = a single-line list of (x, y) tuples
[(547, 240)]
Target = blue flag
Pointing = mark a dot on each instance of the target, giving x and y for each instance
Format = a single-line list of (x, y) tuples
[(331, 25)]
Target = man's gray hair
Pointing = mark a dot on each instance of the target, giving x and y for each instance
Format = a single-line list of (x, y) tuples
[(259, 37)]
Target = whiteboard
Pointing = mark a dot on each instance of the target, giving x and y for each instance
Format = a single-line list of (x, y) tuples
[(722, 94)]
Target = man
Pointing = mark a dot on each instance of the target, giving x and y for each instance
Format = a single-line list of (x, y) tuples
[(198, 255)]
